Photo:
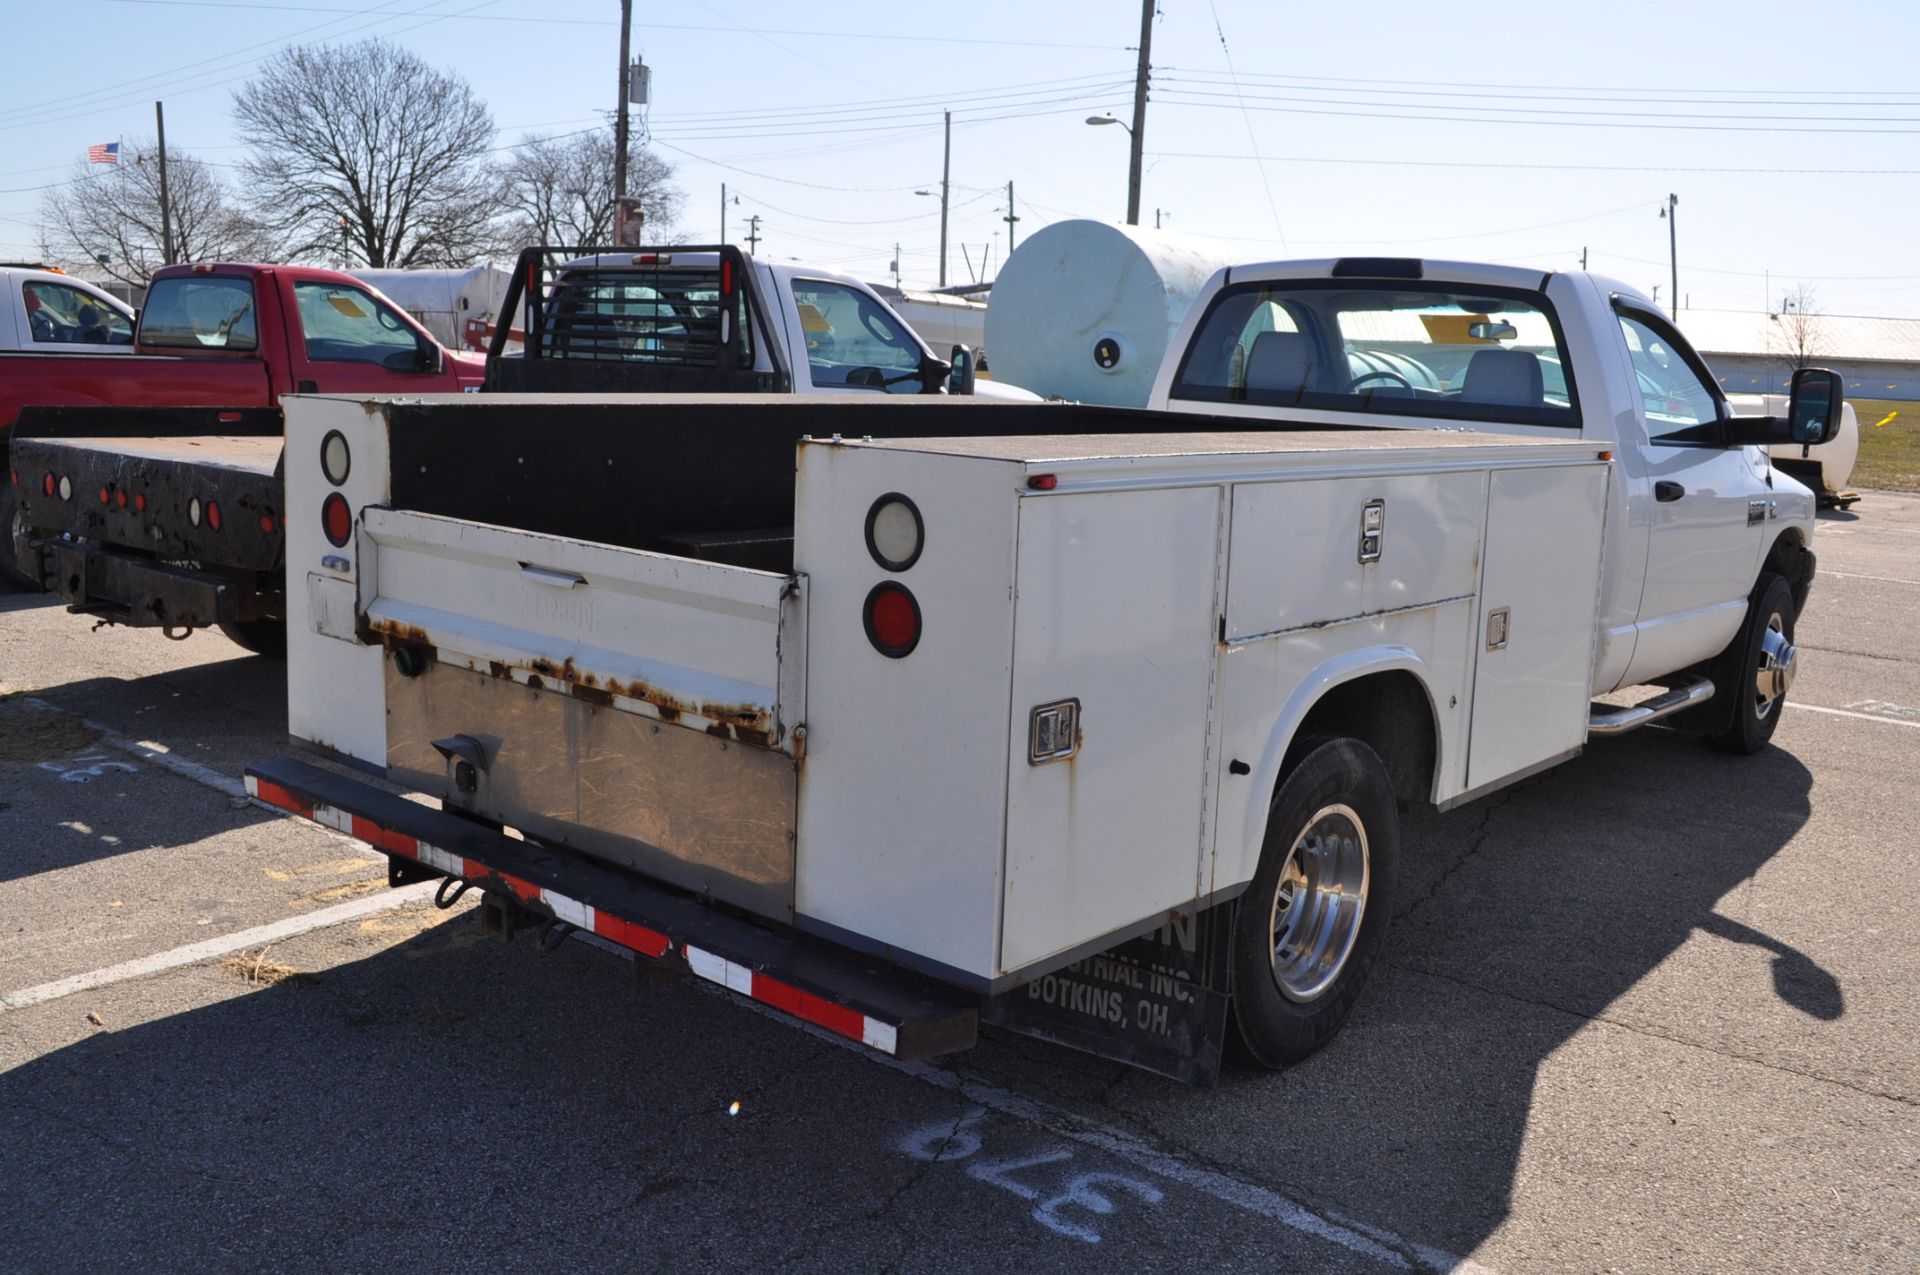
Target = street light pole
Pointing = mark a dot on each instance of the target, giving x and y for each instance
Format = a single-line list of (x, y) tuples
[(946, 169), (1673, 254)]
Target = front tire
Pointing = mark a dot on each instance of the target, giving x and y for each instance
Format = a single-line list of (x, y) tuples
[(1757, 668), (1311, 924)]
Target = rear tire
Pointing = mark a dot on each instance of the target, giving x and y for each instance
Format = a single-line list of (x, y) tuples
[(1756, 669), (266, 637), (12, 520), (1311, 924)]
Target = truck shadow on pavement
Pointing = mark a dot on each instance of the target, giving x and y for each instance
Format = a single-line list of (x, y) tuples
[(429, 1088), (1520, 921)]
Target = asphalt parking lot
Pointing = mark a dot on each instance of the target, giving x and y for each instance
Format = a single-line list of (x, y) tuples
[(1654, 1010)]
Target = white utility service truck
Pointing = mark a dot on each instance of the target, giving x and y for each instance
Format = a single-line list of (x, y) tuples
[(1089, 722)]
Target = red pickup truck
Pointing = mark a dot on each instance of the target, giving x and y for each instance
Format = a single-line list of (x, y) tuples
[(115, 460)]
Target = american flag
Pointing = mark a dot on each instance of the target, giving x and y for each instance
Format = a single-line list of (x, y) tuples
[(105, 153)]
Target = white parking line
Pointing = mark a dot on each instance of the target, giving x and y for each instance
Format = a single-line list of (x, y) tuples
[(1848, 575), (159, 754), (194, 953), (1865, 717), (1371, 1241)]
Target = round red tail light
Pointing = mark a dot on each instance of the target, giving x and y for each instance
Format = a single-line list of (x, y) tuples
[(892, 618), (46, 484), (120, 499), (336, 520), (140, 500), (106, 496), (213, 515)]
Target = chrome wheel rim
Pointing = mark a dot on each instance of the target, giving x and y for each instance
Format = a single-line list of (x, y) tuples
[(1778, 659), (1319, 903)]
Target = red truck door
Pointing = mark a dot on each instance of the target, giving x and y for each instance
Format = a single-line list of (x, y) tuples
[(341, 339)]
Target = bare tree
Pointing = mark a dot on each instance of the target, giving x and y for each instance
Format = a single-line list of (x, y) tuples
[(108, 219), (1798, 332), (364, 152), (559, 190)]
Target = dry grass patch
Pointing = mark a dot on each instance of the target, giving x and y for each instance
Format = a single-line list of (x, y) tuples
[(258, 970)]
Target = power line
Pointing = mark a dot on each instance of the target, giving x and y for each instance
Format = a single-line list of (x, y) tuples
[(547, 21), (1581, 168), (1586, 88), (1552, 123)]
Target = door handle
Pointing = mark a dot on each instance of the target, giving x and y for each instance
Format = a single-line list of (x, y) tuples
[(1664, 491)]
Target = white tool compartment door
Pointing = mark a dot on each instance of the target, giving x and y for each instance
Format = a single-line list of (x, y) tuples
[(1539, 601), (1115, 608)]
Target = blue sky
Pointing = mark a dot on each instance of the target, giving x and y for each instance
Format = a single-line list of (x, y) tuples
[(1517, 132)]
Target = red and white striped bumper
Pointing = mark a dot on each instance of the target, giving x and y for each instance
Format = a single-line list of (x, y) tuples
[(896, 1016)]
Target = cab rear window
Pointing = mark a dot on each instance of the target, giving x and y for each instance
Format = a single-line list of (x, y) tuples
[(199, 312), (1453, 353)]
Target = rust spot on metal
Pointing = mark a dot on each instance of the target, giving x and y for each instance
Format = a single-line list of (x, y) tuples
[(397, 633), (668, 713), (499, 668), (534, 682), (590, 694)]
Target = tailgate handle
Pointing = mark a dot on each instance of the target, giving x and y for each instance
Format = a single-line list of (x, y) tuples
[(549, 576)]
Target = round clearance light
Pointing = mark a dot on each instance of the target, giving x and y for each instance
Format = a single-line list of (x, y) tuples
[(66, 488), (335, 459), (893, 620), (336, 520), (193, 511), (895, 534), (213, 514), (47, 486)]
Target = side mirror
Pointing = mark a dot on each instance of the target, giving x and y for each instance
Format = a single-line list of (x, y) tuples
[(960, 379), (1813, 414), (427, 358), (933, 375)]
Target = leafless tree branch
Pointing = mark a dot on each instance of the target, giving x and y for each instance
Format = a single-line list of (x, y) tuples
[(365, 151)]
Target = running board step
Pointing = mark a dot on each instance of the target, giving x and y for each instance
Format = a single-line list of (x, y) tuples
[(1605, 720)]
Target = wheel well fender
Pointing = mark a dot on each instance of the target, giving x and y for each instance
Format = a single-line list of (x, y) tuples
[(1382, 696), (1790, 557)]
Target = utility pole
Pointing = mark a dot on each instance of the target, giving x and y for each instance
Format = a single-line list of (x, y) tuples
[(1673, 254), (1010, 218), (1158, 213), (166, 206), (946, 168), (753, 234), (1583, 259), (620, 127), (723, 212), (1139, 130)]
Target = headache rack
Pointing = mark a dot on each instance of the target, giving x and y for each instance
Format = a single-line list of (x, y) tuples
[(644, 320)]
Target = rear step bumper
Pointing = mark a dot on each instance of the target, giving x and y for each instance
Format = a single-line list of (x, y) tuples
[(883, 1007), (141, 592)]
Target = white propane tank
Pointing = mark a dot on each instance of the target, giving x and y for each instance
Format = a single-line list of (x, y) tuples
[(1084, 310)]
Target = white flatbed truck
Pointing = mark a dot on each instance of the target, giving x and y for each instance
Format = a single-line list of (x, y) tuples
[(1089, 722)]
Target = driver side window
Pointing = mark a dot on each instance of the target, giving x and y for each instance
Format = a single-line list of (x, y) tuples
[(1677, 405), (343, 324), (853, 342)]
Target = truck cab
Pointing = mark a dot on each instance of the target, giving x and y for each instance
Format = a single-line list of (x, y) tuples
[(710, 318), (1695, 512), (51, 312)]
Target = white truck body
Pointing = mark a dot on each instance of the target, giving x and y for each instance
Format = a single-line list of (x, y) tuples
[(459, 306), (1031, 681), (50, 312)]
